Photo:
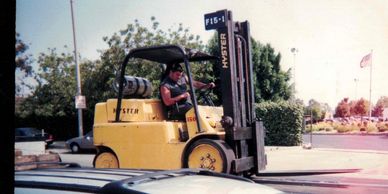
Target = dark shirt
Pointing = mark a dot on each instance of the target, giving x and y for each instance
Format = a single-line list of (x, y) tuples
[(178, 110), (176, 88)]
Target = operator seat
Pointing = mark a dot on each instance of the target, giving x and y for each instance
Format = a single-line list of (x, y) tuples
[(166, 109)]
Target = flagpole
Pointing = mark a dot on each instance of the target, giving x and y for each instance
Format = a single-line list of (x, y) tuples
[(370, 86)]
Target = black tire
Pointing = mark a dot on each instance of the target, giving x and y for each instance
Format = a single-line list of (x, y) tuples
[(197, 155), (74, 147)]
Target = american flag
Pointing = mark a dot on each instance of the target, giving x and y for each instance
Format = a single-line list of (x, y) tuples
[(366, 60)]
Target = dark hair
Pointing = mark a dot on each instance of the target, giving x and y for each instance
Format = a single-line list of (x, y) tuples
[(176, 67), (171, 67)]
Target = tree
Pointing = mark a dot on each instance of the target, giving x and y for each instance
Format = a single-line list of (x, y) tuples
[(343, 108), (383, 101), (299, 101), (270, 82), (361, 107), (23, 63), (352, 105), (326, 108), (55, 90), (22, 60), (136, 35), (378, 111), (52, 101), (317, 110), (379, 107)]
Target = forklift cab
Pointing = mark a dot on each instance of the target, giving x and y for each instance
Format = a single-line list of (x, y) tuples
[(135, 133)]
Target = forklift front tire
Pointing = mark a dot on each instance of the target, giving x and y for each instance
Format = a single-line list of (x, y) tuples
[(209, 154), (106, 159)]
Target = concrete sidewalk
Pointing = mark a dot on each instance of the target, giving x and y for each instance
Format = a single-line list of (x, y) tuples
[(373, 164)]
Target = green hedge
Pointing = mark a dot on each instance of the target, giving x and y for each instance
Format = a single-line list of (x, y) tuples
[(283, 122)]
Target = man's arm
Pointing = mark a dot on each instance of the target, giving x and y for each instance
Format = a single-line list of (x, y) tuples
[(201, 85), (168, 100)]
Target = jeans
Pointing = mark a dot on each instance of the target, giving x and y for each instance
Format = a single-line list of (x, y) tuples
[(178, 112)]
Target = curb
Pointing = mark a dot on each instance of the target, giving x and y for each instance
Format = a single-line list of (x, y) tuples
[(352, 150), (300, 148)]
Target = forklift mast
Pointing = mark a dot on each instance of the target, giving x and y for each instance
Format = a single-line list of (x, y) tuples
[(244, 133)]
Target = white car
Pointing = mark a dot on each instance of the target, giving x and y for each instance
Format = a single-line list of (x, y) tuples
[(75, 179), (78, 144)]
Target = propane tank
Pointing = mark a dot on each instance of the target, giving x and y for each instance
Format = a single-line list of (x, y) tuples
[(134, 86)]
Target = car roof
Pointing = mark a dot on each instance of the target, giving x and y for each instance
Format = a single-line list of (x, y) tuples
[(77, 179)]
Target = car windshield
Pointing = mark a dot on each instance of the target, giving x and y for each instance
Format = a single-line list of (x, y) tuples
[(90, 134)]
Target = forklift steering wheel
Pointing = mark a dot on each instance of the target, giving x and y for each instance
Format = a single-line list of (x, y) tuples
[(206, 91), (204, 94)]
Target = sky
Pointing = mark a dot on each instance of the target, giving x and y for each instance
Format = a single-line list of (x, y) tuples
[(331, 36)]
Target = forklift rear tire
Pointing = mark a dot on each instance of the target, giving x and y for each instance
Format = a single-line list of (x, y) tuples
[(209, 154), (106, 159)]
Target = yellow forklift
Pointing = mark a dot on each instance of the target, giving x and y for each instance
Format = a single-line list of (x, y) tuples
[(136, 132)]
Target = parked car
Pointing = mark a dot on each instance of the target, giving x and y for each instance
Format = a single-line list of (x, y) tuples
[(82, 143), (75, 179), (23, 134)]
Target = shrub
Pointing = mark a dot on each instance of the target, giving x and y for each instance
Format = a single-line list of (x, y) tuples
[(323, 126), (382, 126), (312, 128), (345, 127), (357, 127), (283, 122), (371, 128)]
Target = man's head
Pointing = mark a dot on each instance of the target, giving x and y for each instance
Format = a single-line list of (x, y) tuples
[(176, 67), (176, 71)]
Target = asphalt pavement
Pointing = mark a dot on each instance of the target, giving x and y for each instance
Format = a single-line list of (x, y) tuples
[(372, 163), (355, 141)]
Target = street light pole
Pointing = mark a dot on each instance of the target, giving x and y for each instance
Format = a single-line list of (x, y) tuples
[(294, 51), (78, 75), (355, 94), (311, 126)]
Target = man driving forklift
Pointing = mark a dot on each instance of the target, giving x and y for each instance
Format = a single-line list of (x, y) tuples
[(174, 94)]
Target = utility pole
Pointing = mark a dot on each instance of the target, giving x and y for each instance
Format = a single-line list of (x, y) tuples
[(79, 99)]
